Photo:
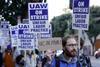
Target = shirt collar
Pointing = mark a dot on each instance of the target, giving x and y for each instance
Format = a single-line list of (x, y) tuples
[(62, 58)]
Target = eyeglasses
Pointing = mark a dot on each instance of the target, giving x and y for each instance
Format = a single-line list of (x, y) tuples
[(71, 45)]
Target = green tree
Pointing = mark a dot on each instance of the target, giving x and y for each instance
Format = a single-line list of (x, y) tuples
[(11, 9), (94, 25), (60, 25)]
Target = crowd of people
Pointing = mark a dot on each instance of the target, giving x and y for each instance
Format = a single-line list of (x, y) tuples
[(12, 57)]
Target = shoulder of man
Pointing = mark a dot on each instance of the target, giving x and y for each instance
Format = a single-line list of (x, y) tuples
[(57, 60), (84, 61), (78, 64)]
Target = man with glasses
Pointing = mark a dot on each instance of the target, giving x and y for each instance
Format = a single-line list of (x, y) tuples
[(69, 56)]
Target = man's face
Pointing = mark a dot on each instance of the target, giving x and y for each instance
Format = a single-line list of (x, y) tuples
[(70, 48)]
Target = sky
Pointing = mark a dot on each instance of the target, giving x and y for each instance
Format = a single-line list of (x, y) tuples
[(56, 7)]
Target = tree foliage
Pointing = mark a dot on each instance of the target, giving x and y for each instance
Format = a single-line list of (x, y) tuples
[(11, 9), (94, 25), (60, 24)]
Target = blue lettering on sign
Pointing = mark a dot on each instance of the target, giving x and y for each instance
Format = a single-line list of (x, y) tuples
[(23, 44), (25, 47), (39, 12), (38, 17), (79, 20), (40, 30), (80, 25), (81, 6), (81, 3), (38, 6), (26, 40), (14, 28), (13, 32), (38, 26), (81, 10), (26, 36), (23, 26), (80, 16), (39, 22), (20, 31)]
